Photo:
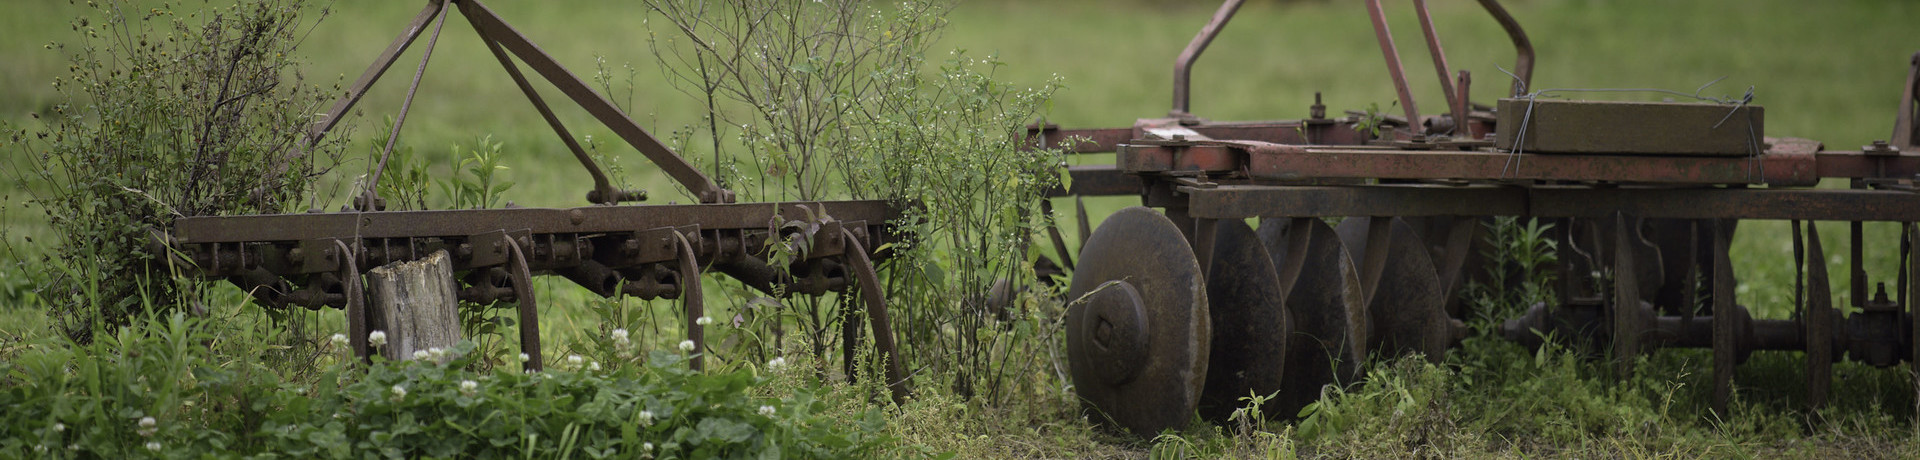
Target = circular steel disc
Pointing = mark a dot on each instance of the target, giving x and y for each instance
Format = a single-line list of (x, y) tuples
[(1250, 322), (1408, 310), (1329, 322), (1137, 327)]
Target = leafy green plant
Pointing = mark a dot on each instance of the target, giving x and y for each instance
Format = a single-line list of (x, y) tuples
[(405, 182), (154, 389), (166, 115), (478, 187)]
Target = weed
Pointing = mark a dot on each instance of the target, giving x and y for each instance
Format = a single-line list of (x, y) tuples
[(166, 115)]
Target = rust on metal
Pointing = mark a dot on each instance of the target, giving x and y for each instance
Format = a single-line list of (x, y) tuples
[(1658, 128), (1183, 65)]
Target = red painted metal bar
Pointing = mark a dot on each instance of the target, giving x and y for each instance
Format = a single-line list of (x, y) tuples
[(1454, 100), (1392, 54), (597, 105), (1183, 66), (1292, 162), (1243, 201), (1523, 47)]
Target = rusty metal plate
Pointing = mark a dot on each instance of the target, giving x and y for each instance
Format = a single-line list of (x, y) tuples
[(1408, 307), (1137, 327), (1250, 322), (1322, 287), (1662, 128)]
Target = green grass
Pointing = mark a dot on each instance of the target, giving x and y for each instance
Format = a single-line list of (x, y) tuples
[(1829, 72)]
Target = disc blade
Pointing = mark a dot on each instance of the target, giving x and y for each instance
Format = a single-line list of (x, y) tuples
[(1250, 323), (1407, 311), (1323, 302), (1137, 325)]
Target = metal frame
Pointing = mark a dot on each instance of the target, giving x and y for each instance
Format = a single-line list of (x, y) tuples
[(315, 260)]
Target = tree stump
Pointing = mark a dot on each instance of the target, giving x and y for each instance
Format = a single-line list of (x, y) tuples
[(416, 304)]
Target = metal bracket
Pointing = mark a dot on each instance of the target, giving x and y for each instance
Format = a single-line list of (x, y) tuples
[(490, 248)]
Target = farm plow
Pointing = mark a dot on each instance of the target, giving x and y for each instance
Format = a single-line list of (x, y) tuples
[(319, 259), (1239, 284)]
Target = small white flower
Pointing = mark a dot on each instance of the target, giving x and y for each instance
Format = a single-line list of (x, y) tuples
[(620, 338), (777, 364), (59, 427), (703, 321), (686, 346), (469, 387), (574, 361), (339, 340), (39, 448), (767, 410), (419, 354), (647, 447), (377, 338), (399, 392), (525, 358), (153, 446), (593, 366), (437, 353), (646, 417), (148, 422)]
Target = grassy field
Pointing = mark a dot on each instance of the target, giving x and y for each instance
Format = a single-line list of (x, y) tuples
[(1829, 72)]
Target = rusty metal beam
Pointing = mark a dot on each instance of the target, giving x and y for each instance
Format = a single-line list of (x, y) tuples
[(603, 190), (1183, 65), (1385, 37), (1099, 180), (460, 223), (1244, 201), (373, 72), (1522, 46), (496, 29), (1274, 161)]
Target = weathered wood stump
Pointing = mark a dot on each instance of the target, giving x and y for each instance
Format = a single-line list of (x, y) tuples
[(416, 304)]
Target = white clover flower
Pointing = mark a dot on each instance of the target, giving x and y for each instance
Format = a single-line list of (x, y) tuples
[(646, 418), (148, 426), (621, 338), (39, 448), (767, 410), (777, 363), (153, 446), (525, 358), (593, 366), (574, 361), (469, 387), (148, 422), (420, 354), (703, 321), (399, 393), (686, 346), (647, 447), (377, 338), (339, 340), (437, 353), (59, 427)]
